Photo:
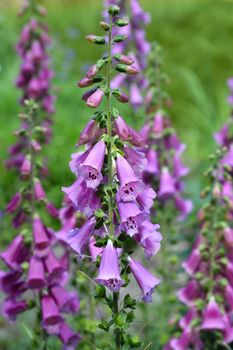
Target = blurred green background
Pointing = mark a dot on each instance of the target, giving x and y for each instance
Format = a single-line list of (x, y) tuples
[(196, 37)]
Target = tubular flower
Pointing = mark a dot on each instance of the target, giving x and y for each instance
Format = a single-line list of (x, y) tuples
[(146, 281), (109, 272)]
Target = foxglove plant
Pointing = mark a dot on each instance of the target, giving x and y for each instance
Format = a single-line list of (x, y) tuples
[(207, 323), (110, 192), (36, 274), (34, 76), (136, 43), (164, 171), (165, 168)]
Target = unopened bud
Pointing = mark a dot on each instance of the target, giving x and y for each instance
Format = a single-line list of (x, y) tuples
[(114, 10), (124, 59), (122, 68), (26, 167), (95, 99), (85, 82), (41, 10), (120, 96), (119, 38), (99, 40), (122, 22), (105, 26), (216, 191)]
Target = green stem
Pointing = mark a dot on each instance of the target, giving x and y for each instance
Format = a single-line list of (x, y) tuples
[(91, 313), (116, 312), (109, 131)]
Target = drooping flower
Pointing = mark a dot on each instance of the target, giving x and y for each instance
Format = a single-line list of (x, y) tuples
[(13, 256), (90, 169), (131, 217), (79, 238), (212, 317), (109, 272), (50, 312), (130, 185), (14, 203), (36, 274), (66, 301), (12, 308), (146, 281), (69, 338), (41, 238)]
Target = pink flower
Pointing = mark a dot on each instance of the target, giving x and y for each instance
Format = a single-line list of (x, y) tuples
[(146, 281), (212, 316), (109, 272)]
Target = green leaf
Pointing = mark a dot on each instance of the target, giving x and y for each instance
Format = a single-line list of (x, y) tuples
[(129, 302), (119, 321), (104, 325), (134, 341), (130, 317), (115, 112), (99, 213), (100, 291), (28, 331)]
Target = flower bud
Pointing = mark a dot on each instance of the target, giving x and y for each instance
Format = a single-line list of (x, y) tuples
[(24, 8), (114, 10), (95, 69), (88, 132), (120, 96), (122, 128), (105, 26), (26, 167), (52, 210), (95, 99), (124, 59), (228, 236), (122, 68), (92, 72), (35, 145), (217, 191), (99, 40), (119, 38), (89, 93), (38, 190), (41, 10), (14, 203), (122, 22), (85, 82)]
